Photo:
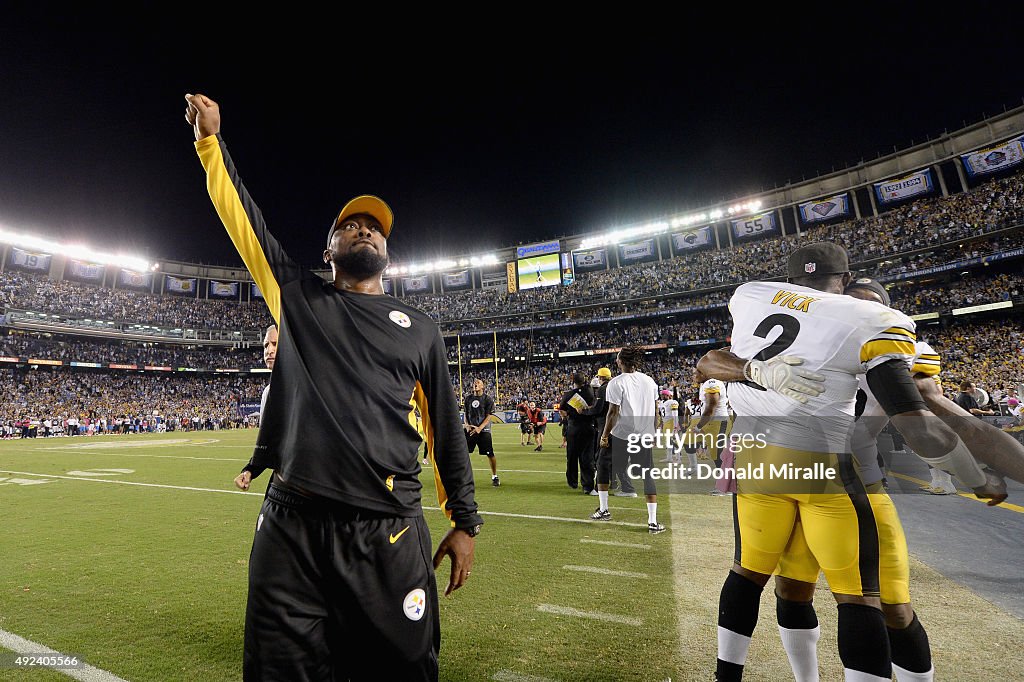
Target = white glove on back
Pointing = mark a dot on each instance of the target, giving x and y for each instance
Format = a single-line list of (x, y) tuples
[(782, 375)]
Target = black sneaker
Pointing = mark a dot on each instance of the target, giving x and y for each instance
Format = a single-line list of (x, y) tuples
[(494, 481), (538, 448), (655, 528), (599, 515)]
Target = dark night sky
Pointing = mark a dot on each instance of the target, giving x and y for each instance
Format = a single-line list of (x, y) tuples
[(519, 129)]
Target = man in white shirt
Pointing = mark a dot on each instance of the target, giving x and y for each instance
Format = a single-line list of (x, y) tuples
[(631, 400)]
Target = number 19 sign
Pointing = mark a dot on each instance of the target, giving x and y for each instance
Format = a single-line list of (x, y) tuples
[(754, 226)]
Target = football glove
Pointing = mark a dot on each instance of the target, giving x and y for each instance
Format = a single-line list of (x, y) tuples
[(782, 374)]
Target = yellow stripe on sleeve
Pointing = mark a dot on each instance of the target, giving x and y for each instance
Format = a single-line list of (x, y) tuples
[(927, 370), (232, 213), (420, 398), (877, 347), (901, 331)]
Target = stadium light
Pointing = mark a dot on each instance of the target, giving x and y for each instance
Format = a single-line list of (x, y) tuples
[(25, 241), (441, 265), (746, 207), (628, 233)]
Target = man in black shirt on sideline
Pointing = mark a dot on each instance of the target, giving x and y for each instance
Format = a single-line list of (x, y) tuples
[(341, 583), (478, 408), (965, 399), (579, 435)]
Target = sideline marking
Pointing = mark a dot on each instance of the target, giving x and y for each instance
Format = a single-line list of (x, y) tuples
[(604, 571), (555, 518), (969, 496), (244, 492), (612, 543), (593, 615), (97, 452), (117, 445), (87, 673), (144, 485), (510, 676)]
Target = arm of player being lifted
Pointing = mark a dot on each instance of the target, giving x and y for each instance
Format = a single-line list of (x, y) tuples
[(262, 254), (781, 373), (988, 444), (929, 437)]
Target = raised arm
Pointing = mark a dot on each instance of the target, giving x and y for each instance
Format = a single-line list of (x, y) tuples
[(262, 254)]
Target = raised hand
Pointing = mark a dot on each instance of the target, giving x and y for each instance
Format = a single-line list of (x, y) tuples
[(203, 114)]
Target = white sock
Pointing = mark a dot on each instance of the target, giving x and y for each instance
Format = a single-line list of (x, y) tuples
[(802, 649), (652, 512), (602, 497), (732, 646), (692, 459), (907, 676), (858, 676)]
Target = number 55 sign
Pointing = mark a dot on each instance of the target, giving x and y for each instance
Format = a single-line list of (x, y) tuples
[(754, 226)]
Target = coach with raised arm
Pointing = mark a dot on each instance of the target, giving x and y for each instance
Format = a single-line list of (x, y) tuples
[(341, 583)]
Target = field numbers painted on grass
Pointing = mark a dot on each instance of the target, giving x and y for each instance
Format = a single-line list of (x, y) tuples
[(21, 481), (101, 473)]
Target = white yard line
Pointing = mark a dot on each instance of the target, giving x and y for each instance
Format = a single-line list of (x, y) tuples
[(144, 485), (612, 543), (558, 518), (592, 615), (104, 453), (240, 492), (604, 571), (86, 673)]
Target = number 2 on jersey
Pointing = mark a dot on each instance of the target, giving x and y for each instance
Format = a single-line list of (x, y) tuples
[(790, 328)]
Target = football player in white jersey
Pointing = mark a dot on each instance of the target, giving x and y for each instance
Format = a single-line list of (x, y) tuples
[(797, 573), (668, 420), (714, 416), (799, 422)]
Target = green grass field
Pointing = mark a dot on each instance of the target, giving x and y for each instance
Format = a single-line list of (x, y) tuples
[(132, 553)]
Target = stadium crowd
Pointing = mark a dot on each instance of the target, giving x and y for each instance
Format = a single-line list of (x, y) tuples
[(107, 351), (525, 344), (889, 238), (34, 292), (105, 400), (966, 291)]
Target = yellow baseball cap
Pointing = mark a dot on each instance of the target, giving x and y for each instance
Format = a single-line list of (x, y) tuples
[(370, 205), (604, 372)]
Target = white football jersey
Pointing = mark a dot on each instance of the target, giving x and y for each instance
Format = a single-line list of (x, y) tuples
[(837, 336), (669, 411), (715, 387)]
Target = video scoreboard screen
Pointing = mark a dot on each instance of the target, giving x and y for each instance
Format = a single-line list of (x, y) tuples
[(539, 271)]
